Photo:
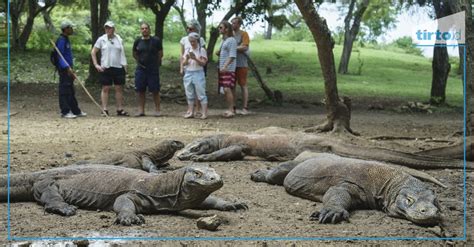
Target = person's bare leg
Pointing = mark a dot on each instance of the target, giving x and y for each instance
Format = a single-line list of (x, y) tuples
[(245, 96), (119, 97), (104, 96), (141, 102), (229, 97)]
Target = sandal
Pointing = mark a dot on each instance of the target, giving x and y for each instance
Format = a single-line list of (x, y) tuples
[(105, 113), (228, 114), (188, 115), (122, 113), (139, 115)]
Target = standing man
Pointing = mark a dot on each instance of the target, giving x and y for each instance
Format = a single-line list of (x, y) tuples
[(67, 99), (112, 68), (241, 71), (227, 54), (148, 52)]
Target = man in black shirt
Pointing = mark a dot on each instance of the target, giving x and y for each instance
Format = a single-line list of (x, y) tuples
[(148, 52)]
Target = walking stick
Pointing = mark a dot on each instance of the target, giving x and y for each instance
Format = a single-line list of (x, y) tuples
[(78, 80)]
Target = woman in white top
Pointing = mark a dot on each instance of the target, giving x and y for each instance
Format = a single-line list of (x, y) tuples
[(193, 26), (112, 66), (194, 80)]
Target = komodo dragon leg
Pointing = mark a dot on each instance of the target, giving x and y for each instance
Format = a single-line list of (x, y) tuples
[(213, 202), (46, 193), (336, 204), (236, 152), (149, 166), (124, 207), (274, 175)]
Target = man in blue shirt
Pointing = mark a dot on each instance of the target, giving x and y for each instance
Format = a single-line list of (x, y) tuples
[(67, 99)]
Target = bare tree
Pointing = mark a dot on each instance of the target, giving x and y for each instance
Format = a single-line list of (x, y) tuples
[(338, 111), (99, 10), (352, 23)]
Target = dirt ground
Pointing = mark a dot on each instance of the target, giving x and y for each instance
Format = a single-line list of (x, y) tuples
[(40, 139)]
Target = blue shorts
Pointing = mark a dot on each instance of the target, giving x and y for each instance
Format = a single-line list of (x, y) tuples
[(144, 80)]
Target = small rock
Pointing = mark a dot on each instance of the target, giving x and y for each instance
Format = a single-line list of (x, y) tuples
[(209, 223), (68, 155), (81, 243), (4, 132)]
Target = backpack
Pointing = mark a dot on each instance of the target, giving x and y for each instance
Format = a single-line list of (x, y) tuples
[(54, 58)]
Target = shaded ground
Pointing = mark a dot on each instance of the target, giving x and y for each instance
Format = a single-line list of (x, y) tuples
[(40, 139)]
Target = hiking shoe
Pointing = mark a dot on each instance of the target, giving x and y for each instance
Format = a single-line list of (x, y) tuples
[(188, 115), (69, 115), (245, 111), (82, 114), (138, 114), (157, 114), (105, 113)]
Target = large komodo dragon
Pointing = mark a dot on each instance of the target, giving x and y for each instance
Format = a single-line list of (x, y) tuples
[(128, 192), (277, 144), (343, 184), (150, 159)]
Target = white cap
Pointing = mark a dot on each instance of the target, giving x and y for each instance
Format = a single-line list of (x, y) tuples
[(109, 24), (193, 36), (66, 24)]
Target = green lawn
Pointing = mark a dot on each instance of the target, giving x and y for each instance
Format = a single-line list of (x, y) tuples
[(295, 71)]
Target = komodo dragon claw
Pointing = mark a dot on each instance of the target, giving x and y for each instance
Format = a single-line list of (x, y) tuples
[(234, 206), (64, 210), (332, 216), (128, 219)]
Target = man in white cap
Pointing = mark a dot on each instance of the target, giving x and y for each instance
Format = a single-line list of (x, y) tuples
[(112, 67), (67, 99)]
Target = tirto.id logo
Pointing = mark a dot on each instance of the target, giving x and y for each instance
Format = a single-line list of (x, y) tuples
[(449, 30), (438, 35)]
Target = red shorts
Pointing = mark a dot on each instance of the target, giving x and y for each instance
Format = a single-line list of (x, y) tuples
[(226, 80), (241, 75)]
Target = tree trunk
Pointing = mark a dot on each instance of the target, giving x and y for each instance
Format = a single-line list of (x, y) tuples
[(351, 32), (215, 33), (201, 7), (469, 46), (16, 7), (213, 36), (48, 22), (440, 64), (268, 32), (99, 15), (338, 112), (441, 67), (33, 11), (161, 12), (180, 11)]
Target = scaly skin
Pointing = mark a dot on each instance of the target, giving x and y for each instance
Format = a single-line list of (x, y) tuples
[(150, 159), (343, 184), (286, 146), (128, 192)]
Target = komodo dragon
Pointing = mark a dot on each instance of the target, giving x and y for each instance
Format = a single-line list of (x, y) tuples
[(286, 146), (128, 192), (150, 159), (344, 184)]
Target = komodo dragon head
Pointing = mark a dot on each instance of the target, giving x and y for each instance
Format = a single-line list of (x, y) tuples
[(203, 145), (417, 204), (203, 178)]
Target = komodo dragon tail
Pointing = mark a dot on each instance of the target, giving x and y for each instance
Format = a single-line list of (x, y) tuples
[(401, 158), (21, 187)]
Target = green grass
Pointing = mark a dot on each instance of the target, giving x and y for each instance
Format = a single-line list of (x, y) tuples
[(385, 75)]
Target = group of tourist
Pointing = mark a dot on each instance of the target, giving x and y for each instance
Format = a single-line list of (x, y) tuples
[(148, 53)]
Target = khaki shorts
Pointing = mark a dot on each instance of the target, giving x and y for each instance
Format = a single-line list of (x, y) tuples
[(241, 75)]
